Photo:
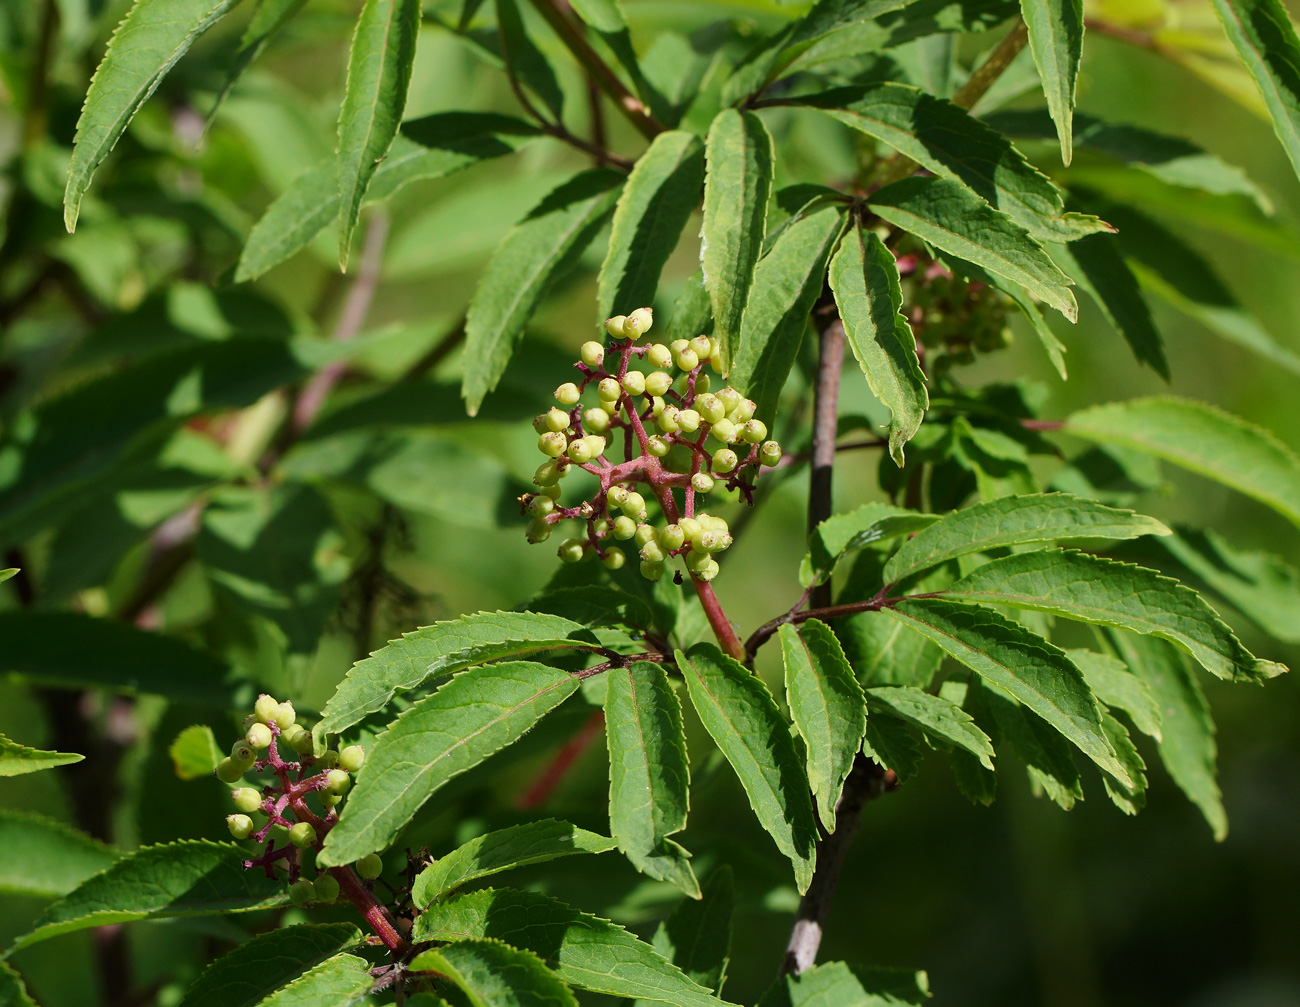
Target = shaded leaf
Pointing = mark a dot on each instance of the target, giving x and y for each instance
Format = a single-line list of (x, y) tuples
[(1129, 800), (250, 973), (934, 716), (842, 534), (12, 991), (46, 858), (526, 61), (1046, 755), (1056, 42), (493, 974), (696, 937), (336, 982), (1114, 684), (477, 713)]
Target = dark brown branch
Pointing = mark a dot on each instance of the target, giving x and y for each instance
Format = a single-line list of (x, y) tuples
[(826, 404)]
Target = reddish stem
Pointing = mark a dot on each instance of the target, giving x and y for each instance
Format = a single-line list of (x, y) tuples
[(375, 914), (544, 786), (722, 629)]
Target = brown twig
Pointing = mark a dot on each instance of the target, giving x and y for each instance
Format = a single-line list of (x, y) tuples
[(826, 402)]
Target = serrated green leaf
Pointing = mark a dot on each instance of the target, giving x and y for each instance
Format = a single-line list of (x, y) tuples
[(192, 877), (525, 60), (881, 650), (1187, 746), (842, 534), (379, 72), (692, 311), (740, 161), (1262, 33), (477, 713), (1048, 758), (864, 279), (1129, 800), (504, 850), (1096, 264), (145, 46), (660, 195), (893, 744), (834, 984), (16, 759), (742, 718), (1263, 587), (73, 649), (584, 951), (538, 249), (250, 973), (787, 282), (1021, 520), (340, 981), (1056, 42), (593, 605), (932, 715), (12, 991), (649, 772), (493, 974), (1076, 585), (195, 753), (696, 937), (6, 574), (1203, 439), (1114, 684), (1024, 665), (442, 649), (827, 707), (948, 141), (46, 858), (953, 219)]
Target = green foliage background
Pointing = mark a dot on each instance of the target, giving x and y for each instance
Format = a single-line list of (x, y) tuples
[(1014, 903)]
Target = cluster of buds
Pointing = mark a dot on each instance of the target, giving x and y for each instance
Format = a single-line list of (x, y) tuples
[(675, 433), (952, 318), (279, 814)]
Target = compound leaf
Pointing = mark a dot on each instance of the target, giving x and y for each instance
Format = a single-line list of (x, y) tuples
[(379, 71), (1117, 687), (864, 279), (827, 707), (152, 37), (583, 950), (1020, 520), (649, 772), (953, 219), (192, 877), (250, 973), (742, 718), (477, 713), (503, 850), (538, 249), (737, 184), (1021, 663)]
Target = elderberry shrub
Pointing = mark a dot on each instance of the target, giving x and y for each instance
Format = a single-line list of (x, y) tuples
[(677, 436), (279, 814)]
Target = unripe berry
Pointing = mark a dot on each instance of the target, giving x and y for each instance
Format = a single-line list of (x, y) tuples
[(299, 739), (553, 492), (702, 347), (624, 527), (724, 460), (596, 419), (328, 800), (666, 421), (570, 551), (302, 892), (328, 759), (657, 446), (708, 571), (769, 453), (338, 781), (613, 559), (327, 888), (539, 530), (302, 835), (696, 560), (265, 707), (671, 537), (557, 419), (658, 382), (652, 552), (601, 528), (370, 866), (614, 326), (702, 383), (651, 571), (686, 360), (729, 397), (702, 482), (634, 506), (242, 752), (230, 771), (659, 355), (710, 407), (634, 382), (657, 406), (638, 323), (609, 390), (285, 715), (743, 412), (753, 431), (539, 424), (688, 420), (547, 474), (596, 443), (645, 533), (352, 758), (540, 506), (552, 444), (617, 495), (727, 432), (715, 541), (240, 826), (246, 799), (691, 528), (259, 735), (567, 394), (679, 346), (593, 354), (580, 452)]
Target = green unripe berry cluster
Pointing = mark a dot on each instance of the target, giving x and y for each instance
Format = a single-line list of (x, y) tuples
[(680, 438), (952, 317)]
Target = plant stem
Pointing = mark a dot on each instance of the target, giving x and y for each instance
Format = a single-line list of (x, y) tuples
[(826, 404), (718, 620), (369, 907), (573, 38)]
